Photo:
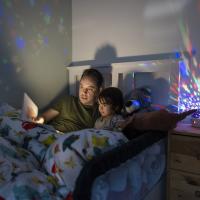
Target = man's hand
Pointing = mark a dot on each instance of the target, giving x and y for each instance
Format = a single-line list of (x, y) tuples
[(39, 120)]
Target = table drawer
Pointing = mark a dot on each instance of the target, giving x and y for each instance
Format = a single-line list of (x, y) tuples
[(184, 186), (185, 153)]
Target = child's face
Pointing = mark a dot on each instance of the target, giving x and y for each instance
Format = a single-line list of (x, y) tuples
[(88, 91), (105, 109)]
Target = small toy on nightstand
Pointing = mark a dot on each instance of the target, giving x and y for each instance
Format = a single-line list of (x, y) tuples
[(195, 120)]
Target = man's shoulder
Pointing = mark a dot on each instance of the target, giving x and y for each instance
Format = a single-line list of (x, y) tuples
[(68, 98), (64, 99)]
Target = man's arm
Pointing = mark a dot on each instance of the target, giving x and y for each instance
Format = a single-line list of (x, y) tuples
[(47, 116)]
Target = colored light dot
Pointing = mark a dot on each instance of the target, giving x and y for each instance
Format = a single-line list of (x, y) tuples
[(47, 19), (5, 61), (65, 51), (177, 55), (46, 41), (20, 42)]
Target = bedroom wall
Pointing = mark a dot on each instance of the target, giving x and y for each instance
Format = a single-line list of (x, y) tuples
[(109, 29), (131, 27), (35, 44)]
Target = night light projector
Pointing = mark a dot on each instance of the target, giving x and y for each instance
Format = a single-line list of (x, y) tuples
[(196, 119)]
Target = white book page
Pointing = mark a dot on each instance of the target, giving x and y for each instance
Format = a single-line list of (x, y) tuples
[(29, 109)]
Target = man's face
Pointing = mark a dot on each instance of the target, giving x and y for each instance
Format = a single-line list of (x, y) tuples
[(88, 91)]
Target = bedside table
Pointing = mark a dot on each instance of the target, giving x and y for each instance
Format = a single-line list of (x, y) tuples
[(183, 163)]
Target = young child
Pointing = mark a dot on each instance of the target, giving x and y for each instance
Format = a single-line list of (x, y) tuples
[(110, 102)]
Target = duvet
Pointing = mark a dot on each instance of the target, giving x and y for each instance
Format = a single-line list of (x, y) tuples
[(37, 162)]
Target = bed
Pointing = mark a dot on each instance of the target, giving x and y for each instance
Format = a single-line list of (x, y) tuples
[(31, 166), (106, 177)]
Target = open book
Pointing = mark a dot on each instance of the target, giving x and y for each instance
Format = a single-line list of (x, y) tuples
[(29, 109)]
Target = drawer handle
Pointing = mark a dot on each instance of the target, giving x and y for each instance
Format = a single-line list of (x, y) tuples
[(191, 182), (197, 193), (198, 156), (177, 160)]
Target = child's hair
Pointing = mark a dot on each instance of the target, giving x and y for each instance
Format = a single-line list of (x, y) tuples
[(112, 96), (95, 75)]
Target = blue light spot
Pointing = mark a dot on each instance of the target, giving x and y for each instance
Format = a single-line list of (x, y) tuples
[(1, 9), (10, 20), (193, 51), (177, 55), (20, 42), (32, 2), (182, 68), (46, 40), (65, 51), (47, 10)]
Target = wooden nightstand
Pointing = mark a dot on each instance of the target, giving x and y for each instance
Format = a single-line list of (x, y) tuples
[(183, 170)]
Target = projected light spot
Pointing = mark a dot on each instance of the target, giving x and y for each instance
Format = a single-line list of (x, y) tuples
[(47, 14), (32, 2), (178, 55), (47, 19), (189, 82), (61, 28), (189, 88), (47, 10), (61, 20), (10, 20), (1, 9), (5, 61), (8, 3), (65, 51), (46, 40), (20, 42)]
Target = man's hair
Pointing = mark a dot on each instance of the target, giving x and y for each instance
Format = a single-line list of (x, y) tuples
[(112, 96), (95, 75)]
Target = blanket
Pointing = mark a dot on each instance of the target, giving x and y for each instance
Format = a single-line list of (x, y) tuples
[(37, 162)]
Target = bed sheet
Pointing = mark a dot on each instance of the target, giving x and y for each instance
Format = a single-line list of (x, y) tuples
[(133, 179)]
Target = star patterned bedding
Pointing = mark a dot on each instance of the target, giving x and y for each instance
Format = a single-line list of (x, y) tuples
[(37, 162)]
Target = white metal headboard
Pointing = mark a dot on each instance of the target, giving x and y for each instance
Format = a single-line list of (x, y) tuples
[(122, 74)]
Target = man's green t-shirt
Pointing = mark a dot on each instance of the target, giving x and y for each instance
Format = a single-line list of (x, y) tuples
[(73, 115)]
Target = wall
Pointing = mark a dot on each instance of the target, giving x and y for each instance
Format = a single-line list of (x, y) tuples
[(131, 27), (35, 43), (107, 30)]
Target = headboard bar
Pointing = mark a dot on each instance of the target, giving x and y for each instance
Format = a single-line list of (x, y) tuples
[(121, 74)]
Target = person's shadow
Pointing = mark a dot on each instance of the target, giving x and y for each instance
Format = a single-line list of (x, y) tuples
[(107, 54), (104, 56)]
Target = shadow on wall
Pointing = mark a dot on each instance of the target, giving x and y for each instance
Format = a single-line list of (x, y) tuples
[(160, 87), (105, 55)]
